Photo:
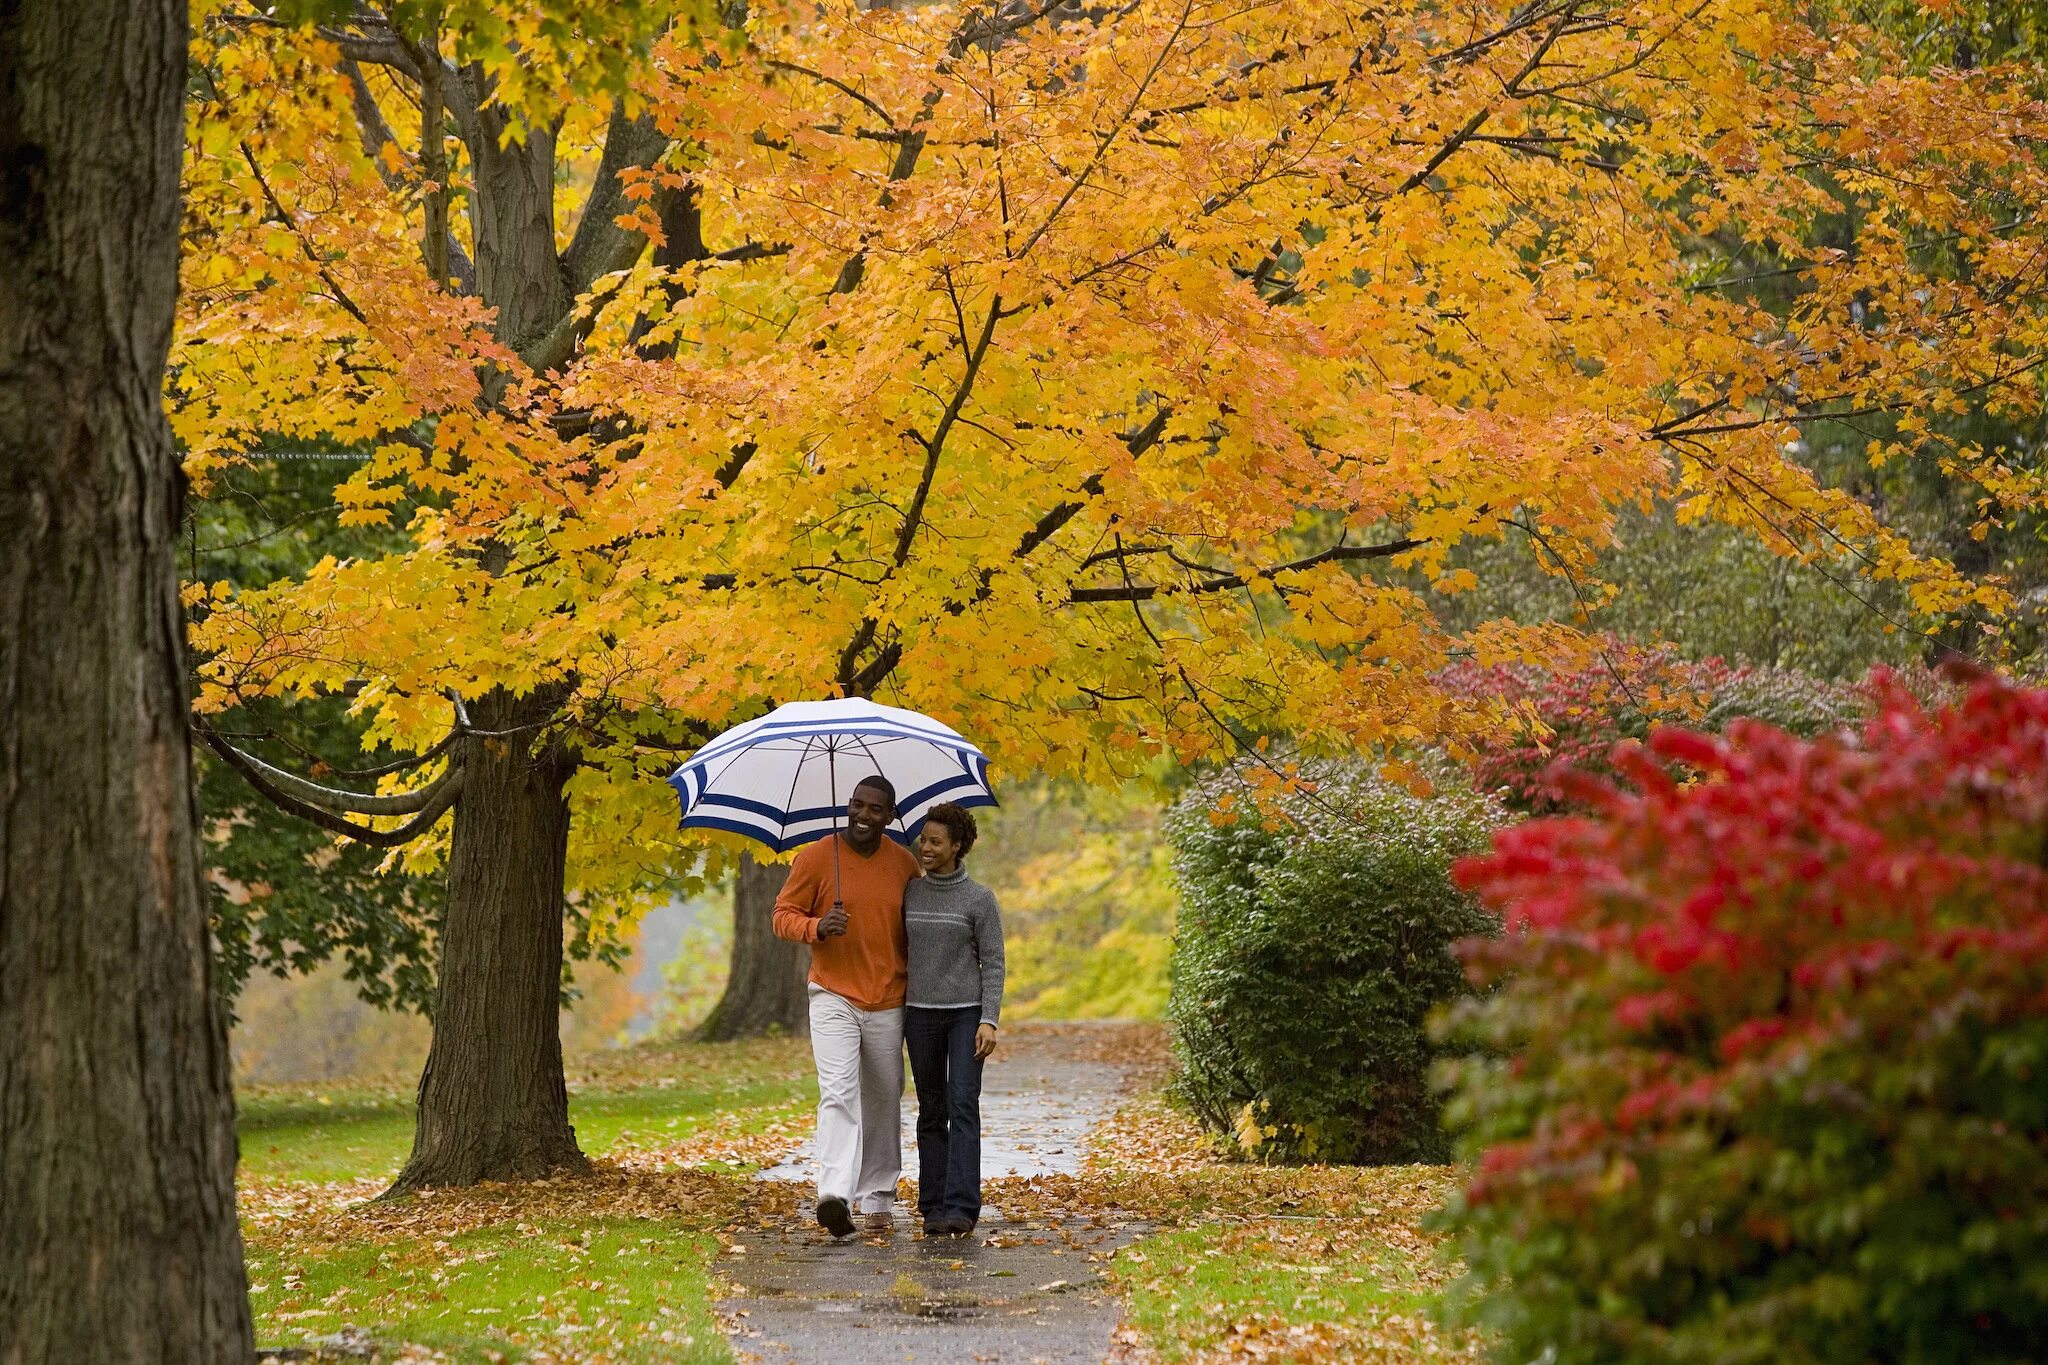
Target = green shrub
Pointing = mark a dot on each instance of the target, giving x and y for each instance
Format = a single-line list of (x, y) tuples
[(1313, 938)]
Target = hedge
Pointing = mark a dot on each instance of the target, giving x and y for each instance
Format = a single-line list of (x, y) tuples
[(1313, 939)]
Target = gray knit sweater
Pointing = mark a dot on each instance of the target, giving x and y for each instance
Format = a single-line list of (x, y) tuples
[(956, 945)]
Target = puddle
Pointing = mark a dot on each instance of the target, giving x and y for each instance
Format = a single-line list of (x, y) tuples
[(945, 1312)]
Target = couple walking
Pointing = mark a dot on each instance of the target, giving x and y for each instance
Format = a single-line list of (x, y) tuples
[(912, 955)]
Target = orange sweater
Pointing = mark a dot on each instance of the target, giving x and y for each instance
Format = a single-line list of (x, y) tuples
[(869, 963)]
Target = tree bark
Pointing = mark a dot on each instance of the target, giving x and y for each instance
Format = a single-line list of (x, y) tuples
[(765, 992), (492, 1101), (512, 214), (118, 1239)]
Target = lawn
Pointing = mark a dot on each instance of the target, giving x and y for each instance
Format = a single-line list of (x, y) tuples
[(1301, 1288), (615, 1267), (356, 1133), (1305, 1264), (629, 1289)]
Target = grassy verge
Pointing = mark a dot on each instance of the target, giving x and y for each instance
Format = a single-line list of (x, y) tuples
[(626, 1289), (644, 1100), (1298, 1290), (1302, 1264), (613, 1268)]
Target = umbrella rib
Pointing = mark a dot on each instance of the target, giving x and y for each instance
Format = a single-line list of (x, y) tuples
[(796, 775), (863, 742)]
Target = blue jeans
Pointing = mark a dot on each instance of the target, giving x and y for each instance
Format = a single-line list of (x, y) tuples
[(948, 1077)]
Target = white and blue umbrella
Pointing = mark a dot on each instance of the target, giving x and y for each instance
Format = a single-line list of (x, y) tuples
[(782, 779)]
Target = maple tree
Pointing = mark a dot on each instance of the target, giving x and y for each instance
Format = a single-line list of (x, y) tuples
[(1080, 377)]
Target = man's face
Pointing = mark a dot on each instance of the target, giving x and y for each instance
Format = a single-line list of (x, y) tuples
[(868, 813)]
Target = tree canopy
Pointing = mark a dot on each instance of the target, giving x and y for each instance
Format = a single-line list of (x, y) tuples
[(1056, 371)]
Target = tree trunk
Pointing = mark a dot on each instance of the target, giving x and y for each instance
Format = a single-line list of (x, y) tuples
[(118, 1239), (765, 992), (512, 214), (492, 1102)]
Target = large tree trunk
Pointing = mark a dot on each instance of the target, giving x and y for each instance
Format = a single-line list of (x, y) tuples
[(118, 1239), (765, 992), (492, 1102)]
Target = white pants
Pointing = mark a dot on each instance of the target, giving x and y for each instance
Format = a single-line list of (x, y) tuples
[(860, 1101)]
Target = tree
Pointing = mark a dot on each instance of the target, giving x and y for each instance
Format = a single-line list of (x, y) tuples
[(1080, 377), (117, 1144), (765, 990), (493, 1103)]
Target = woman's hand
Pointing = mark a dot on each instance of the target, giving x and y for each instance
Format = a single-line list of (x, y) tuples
[(984, 1042)]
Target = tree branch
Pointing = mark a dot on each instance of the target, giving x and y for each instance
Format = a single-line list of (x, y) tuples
[(877, 669), (355, 774), (976, 351), (1128, 591), (445, 792), (383, 44), (914, 516), (988, 25), (291, 225), (1102, 146), (328, 798), (377, 135), (433, 156), (1137, 442), (599, 245), (879, 112)]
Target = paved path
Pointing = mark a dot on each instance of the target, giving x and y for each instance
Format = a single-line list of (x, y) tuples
[(1015, 1292)]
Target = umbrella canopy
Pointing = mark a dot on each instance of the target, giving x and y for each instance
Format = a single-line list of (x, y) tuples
[(784, 779)]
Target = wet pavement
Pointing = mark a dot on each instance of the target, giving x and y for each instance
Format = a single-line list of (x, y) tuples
[(1022, 1291), (1038, 1102)]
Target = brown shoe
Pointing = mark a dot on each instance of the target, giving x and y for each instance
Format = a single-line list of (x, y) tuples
[(879, 1224)]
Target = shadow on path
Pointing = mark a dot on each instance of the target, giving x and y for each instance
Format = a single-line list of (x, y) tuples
[(1016, 1291)]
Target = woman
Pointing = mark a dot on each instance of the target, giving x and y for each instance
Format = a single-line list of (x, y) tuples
[(955, 997)]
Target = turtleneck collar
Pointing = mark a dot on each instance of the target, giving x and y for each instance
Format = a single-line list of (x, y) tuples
[(953, 878)]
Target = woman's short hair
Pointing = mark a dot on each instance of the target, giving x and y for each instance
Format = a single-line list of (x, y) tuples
[(956, 822)]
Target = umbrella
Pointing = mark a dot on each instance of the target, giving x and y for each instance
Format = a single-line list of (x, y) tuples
[(777, 779)]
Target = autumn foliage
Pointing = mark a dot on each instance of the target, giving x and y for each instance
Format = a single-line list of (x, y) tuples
[(1777, 1041), (1066, 373), (1564, 721), (1115, 383)]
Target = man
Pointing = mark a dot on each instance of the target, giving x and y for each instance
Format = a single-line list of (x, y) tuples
[(859, 968)]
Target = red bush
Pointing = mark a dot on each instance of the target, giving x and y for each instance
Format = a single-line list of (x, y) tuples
[(1769, 1050)]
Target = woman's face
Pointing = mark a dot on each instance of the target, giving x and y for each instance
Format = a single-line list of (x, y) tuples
[(936, 849)]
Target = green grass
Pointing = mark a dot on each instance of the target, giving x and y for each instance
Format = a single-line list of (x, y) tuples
[(625, 1289), (560, 1275), (1188, 1289), (350, 1135)]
